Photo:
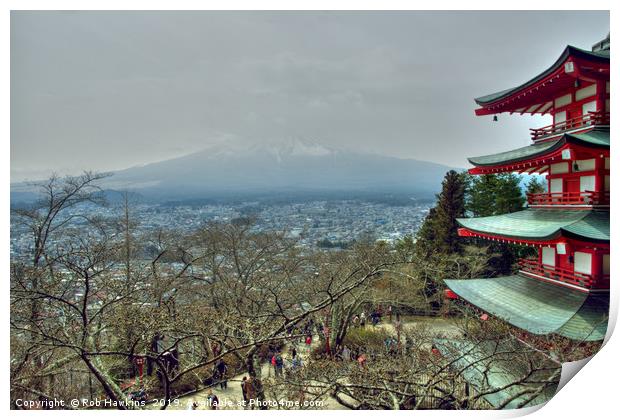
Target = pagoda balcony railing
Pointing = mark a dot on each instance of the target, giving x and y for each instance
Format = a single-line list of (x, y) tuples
[(570, 277), (582, 198), (587, 120)]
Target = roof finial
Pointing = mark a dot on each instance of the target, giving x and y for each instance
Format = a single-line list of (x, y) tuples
[(602, 45)]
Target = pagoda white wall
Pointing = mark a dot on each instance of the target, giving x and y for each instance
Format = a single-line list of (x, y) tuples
[(586, 92), (548, 256), (587, 183), (588, 107), (585, 165), (558, 168), (583, 262)]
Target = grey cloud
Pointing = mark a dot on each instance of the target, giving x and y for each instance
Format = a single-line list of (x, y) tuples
[(108, 90)]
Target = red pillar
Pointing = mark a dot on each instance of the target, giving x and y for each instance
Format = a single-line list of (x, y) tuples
[(600, 95), (599, 179), (597, 269)]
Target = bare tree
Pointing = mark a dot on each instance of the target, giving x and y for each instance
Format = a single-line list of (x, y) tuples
[(486, 370), (102, 304)]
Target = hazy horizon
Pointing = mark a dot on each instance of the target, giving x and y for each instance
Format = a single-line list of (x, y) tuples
[(113, 90)]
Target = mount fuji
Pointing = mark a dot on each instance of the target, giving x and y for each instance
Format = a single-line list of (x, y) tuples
[(289, 166), (279, 167)]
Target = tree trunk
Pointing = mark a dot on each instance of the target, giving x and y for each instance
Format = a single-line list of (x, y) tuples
[(110, 388)]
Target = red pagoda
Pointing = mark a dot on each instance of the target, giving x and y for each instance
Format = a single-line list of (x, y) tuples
[(565, 290)]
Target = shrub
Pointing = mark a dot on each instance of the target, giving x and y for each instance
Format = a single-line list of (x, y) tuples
[(360, 338)]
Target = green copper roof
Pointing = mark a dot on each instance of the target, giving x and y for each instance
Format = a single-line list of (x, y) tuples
[(543, 224), (592, 316), (596, 137), (601, 56), (593, 138), (594, 226), (516, 155), (503, 366), (538, 307)]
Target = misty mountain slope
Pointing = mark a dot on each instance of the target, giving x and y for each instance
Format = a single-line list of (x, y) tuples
[(287, 166)]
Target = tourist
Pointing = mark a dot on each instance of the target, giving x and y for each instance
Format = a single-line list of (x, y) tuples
[(192, 405), (244, 393), (279, 364), (346, 354), (212, 400), (388, 344), (389, 312), (362, 319), (250, 391), (222, 370), (296, 363), (361, 360), (273, 363), (356, 321), (375, 318), (216, 349), (308, 341)]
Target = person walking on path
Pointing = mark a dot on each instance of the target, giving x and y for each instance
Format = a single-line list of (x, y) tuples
[(346, 354), (212, 400), (250, 392), (216, 349), (374, 316), (273, 364), (296, 362), (361, 360), (244, 393), (279, 364), (308, 341), (362, 319), (222, 371)]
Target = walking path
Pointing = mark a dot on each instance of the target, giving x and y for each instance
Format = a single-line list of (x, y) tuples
[(231, 396)]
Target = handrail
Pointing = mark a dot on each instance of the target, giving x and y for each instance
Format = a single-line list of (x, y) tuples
[(556, 273), (587, 120), (590, 198)]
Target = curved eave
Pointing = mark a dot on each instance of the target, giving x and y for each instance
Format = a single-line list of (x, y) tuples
[(538, 307), (509, 161), (516, 240), (536, 157), (540, 226), (539, 242), (490, 104), (592, 228)]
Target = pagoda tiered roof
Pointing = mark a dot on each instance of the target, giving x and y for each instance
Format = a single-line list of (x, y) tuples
[(493, 370), (538, 156), (538, 307), (532, 97), (536, 226), (565, 290)]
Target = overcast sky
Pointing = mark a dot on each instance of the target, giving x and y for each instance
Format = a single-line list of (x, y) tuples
[(110, 90)]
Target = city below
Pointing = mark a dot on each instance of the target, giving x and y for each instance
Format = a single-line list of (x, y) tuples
[(324, 224)]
